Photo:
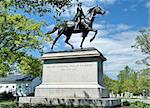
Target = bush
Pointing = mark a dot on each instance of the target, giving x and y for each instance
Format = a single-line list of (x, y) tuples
[(7, 104), (139, 105), (126, 103), (7, 96), (25, 106)]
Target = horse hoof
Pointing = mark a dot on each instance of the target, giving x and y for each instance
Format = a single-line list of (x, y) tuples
[(91, 40)]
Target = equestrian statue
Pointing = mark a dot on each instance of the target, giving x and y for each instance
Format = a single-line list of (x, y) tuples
[(80, 24)]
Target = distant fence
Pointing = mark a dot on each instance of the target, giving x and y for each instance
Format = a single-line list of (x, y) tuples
[(129, 95), (147, 101)]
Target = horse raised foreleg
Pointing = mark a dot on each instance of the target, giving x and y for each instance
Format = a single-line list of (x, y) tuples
[(58, 35), (50, 32), (94, 35), (67, 41), (55, 41)]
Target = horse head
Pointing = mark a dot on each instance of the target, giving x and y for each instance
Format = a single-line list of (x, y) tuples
[(99, 10), (96, 10)]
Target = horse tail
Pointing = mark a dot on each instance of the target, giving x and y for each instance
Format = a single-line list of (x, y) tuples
[(54, 29)]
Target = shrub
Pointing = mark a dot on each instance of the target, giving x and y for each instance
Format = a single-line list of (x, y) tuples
[(139, 105), (25, 106), (126, 103), (7, 106), (7, 96)]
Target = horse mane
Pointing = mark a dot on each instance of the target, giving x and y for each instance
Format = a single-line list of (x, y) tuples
[(90, 10)]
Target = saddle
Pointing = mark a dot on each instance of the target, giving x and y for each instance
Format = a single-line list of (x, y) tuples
[(78, 26), (72, 23)]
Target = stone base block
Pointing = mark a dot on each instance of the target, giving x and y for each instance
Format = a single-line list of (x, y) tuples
[(100, 102), (71, 91)]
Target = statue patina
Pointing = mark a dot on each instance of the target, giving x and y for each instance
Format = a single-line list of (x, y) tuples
[(80, 24)]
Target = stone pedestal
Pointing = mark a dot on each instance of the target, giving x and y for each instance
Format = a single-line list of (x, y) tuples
[(76, 74)]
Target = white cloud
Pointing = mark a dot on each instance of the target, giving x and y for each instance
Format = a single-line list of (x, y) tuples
[(86, 4), (123, 27), (108, 1), (70, 12), (147, 5), (94, 2), (116, 48)]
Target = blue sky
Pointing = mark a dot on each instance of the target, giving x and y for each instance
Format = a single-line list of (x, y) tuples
[(117, 31)]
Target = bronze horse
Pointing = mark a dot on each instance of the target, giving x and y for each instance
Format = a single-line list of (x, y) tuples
[(68, 27)]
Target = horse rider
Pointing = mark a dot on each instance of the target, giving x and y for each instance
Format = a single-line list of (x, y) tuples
[(79, 16)]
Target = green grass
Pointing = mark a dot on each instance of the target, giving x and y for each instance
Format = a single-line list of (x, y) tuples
[(7, 104), (6, 101)]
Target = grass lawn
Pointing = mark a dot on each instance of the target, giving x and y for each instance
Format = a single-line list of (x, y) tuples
[(7, 104)]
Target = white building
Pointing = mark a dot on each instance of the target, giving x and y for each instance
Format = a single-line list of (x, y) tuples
[(21, 85)]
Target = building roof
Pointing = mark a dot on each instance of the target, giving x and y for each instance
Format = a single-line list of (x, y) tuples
[(16, 78)]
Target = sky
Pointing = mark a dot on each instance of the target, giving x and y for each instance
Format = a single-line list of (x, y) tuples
[(117, 31)]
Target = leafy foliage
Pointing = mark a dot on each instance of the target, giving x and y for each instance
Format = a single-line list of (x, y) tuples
[(18, 37), (8, 105), (144, 80), (40, 7), (129, 81), (139, 105), (112, 85), (143, 43), (7, 96), (126, 103)]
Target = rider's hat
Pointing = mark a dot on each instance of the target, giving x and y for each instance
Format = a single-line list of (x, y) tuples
[(79, 4)]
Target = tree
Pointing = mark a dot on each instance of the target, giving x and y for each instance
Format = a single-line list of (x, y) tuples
[(123, 76), (144, 80), (19, 36), (128, 80), (39, 7), (143, 43), (111, 85)]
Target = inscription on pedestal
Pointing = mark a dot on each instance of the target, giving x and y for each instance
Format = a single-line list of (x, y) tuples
[(70, 72), (69, 67)]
